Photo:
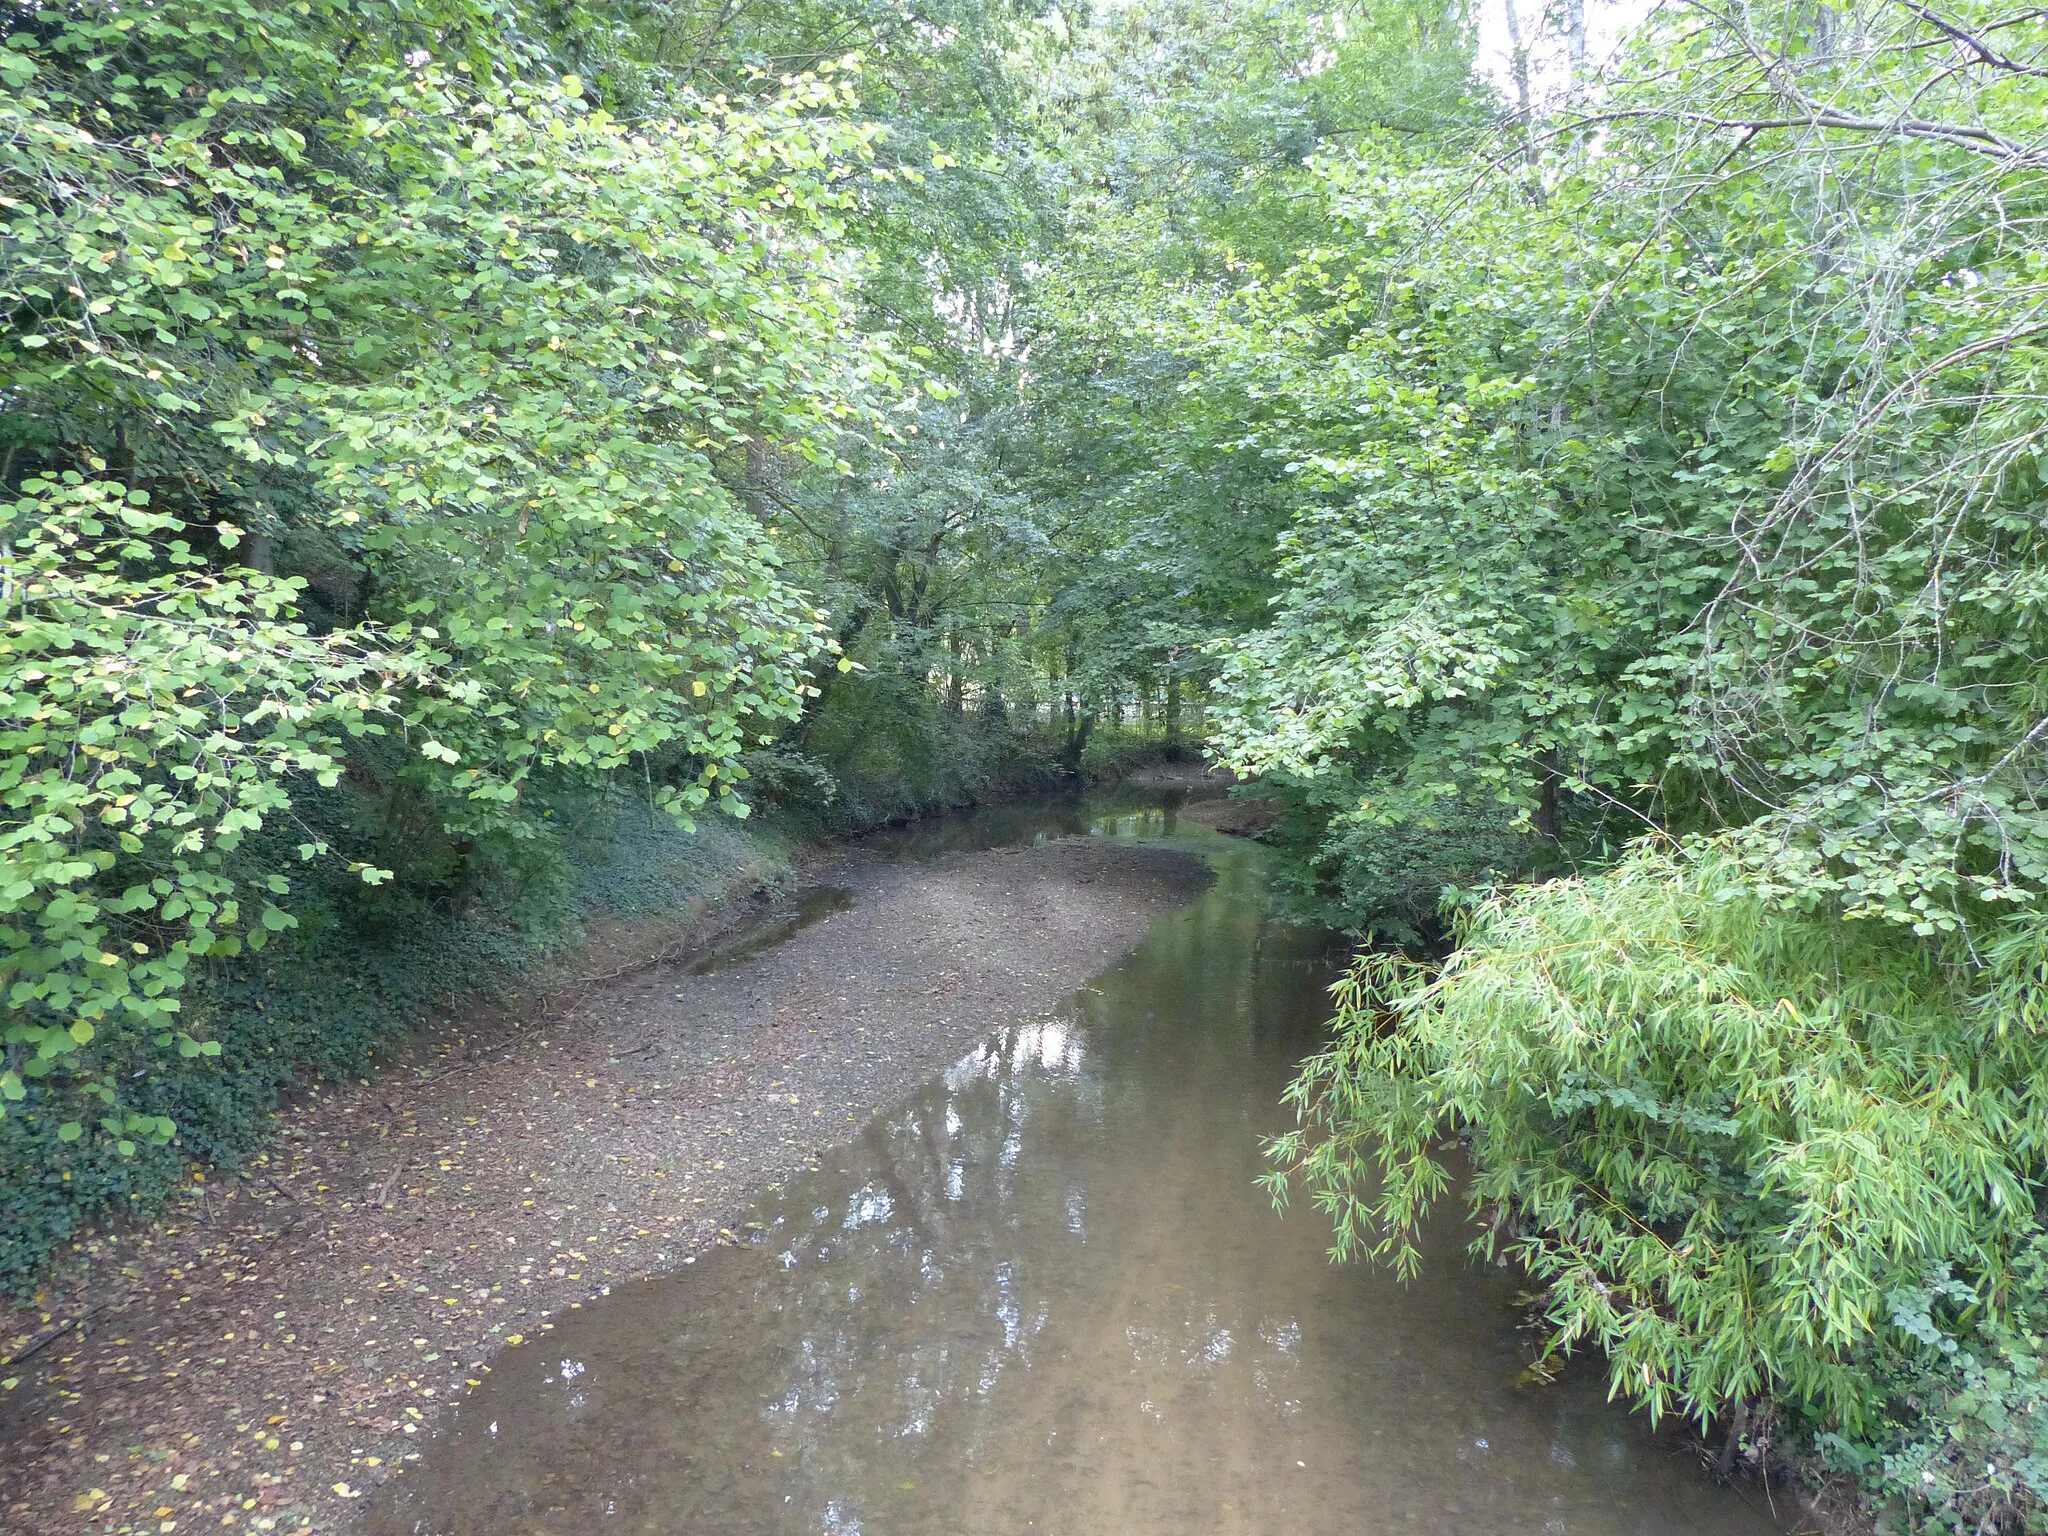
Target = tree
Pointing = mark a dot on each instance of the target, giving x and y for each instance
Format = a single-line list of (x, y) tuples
[(397, 313)]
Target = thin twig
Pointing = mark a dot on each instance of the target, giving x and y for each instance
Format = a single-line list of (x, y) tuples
[(384, 1194), (54, 1335)]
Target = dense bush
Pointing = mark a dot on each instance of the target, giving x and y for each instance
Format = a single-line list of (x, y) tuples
[(1963, 1446), (1722, 1138), (335, 995), (1394, 879), (368, 390), (893, 751)]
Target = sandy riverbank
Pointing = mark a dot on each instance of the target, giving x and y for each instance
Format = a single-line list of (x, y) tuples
[(275, 1348)]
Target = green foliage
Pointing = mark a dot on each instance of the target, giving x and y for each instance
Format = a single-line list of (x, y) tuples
[(1175, 138), (417, 422), (332, 998), (1965, 1444), (422, 424), (894, 752), (1391, 879), (1721, 1136), (1664, 472), (1721, 517), (1114, 751), (372, 395), (154, 721)]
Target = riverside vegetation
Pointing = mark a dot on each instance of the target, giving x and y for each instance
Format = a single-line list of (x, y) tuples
[(461, 456)]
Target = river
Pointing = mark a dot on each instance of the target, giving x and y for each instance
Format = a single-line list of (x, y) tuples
[(1045, 1296)]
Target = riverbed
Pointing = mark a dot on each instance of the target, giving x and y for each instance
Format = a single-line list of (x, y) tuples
[(273, 1347), (1044, 1294)]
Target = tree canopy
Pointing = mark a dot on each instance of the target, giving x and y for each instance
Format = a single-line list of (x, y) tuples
[(1600, 501)]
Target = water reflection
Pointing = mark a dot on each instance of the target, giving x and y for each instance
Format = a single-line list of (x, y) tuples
[(1032, 823), (1044, 1296)]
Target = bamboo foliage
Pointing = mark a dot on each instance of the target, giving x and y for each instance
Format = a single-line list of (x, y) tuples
[(1721, 1137)]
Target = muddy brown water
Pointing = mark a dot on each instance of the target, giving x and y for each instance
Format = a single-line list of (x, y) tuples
[(1045, 1296)]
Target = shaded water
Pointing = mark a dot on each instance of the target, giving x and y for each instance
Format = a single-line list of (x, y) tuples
[(797, 911), (1045, 1296)]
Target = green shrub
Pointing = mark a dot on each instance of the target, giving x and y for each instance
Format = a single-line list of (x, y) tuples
[(1393, 880), (893, 752), (1115, 750), (1723, 1136), (340, 990), (1963, 1446)]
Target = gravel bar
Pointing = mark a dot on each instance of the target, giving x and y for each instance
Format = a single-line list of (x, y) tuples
[(280, 1343)]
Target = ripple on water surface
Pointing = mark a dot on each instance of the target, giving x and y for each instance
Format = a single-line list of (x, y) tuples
[(1044, 1296)]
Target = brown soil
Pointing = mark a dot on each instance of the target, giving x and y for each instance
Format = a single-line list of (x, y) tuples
[(275, 1347)]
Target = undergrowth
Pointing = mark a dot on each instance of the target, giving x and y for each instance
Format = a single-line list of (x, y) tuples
[(329, 999), (1393, 881), (333, 996)]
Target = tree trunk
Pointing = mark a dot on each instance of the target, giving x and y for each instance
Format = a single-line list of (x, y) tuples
[(1738, 1421), (1549, 816), (1575, 50), (1080, 726), (1518, 58)]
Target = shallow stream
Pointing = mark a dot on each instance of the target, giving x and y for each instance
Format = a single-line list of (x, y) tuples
[(1045, 1296)]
